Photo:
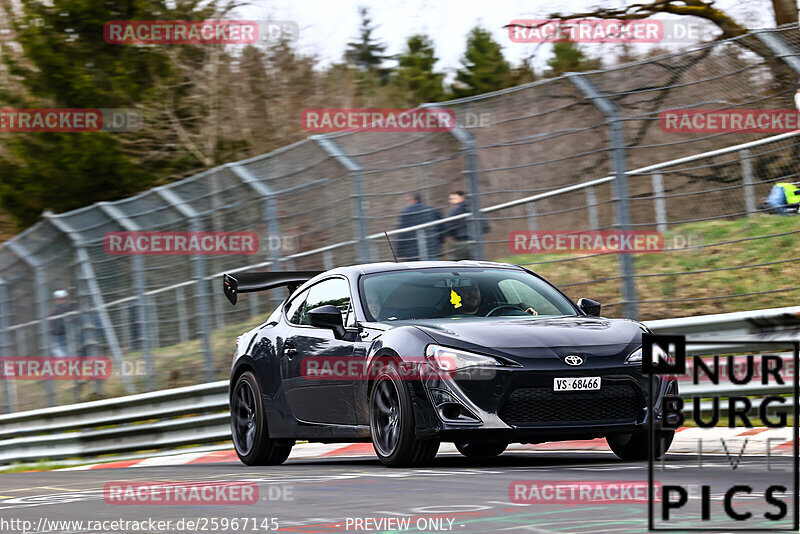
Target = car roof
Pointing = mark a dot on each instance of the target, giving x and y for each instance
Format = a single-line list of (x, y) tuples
[(369, 268)]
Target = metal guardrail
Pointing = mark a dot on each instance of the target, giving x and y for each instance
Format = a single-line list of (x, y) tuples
[(197, 415), (182, 416), (163, 404)]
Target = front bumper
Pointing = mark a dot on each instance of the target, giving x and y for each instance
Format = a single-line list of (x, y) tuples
[(519, 405)]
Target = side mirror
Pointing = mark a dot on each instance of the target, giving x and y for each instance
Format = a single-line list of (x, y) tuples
[(590, 307), (327, 316)]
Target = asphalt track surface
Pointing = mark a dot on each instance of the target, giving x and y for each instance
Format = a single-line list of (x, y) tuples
[(456, 494)]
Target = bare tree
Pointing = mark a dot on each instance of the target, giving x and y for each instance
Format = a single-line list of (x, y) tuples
[(785, 12)]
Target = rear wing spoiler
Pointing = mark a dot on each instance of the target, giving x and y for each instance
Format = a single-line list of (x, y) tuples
[(236, 283)]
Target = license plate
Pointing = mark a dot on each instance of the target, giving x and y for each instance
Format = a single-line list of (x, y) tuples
[(583, 383)]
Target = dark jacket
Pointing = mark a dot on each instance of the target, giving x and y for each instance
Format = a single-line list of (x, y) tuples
[(413, 215), (59, 326), (459, 230)]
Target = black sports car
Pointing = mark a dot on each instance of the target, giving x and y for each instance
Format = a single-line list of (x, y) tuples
[(408, 355)]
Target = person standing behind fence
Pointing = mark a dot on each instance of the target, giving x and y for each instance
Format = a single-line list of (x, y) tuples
[(459, 230), (417, 212)]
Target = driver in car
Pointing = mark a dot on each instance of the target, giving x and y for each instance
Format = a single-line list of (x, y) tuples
[(471, 301)]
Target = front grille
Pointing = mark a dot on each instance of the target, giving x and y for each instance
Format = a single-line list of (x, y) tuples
[(531, 406)]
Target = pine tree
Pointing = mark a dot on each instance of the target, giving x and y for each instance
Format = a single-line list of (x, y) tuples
[(65, 63), (366, 53), (569, 57), (484, 68), (415, 81), (524, 73)]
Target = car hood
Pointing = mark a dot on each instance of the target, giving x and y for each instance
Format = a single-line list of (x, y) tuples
[(533, 337)]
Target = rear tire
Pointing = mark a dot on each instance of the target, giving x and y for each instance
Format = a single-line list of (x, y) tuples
[(481, 448), (249, 426), (391, 421), (633, 447)]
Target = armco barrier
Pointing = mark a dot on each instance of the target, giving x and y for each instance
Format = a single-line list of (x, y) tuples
[(197, 415)]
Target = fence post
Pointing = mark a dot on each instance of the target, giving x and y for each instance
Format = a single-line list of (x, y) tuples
[(125, 335), (747, 178), (269, 209), (660, 202), (183, 323), (143, 318), (21, 342), (472, 172), (152, 319), (591, 203), (9, 386), (616, 136), (201, 283), (327, 260), (252, 301), (42, 313), (87, 273), (530, 210), (779, 47), (422, 245), (219, 319), (356, 171), (86, 343)]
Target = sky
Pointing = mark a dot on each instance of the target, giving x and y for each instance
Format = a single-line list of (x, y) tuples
[(327, 25)]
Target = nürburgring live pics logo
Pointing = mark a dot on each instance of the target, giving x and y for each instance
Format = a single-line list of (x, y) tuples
[(742, 497)]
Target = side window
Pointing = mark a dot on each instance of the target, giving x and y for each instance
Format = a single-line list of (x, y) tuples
[(515, 291), (296, 309), (333, 291), (524, 296)]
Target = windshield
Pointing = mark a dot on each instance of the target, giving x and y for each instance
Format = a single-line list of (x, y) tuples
[(438, 293)]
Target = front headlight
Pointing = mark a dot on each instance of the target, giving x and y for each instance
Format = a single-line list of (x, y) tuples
[(635, 356), (448, 359), (658, 354)]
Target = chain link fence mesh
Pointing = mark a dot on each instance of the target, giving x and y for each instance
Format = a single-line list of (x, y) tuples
[(325, 202)]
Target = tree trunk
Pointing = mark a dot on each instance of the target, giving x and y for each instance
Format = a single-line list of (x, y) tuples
[(785, 11)]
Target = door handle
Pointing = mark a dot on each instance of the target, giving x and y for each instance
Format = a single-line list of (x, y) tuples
[(289, 350)]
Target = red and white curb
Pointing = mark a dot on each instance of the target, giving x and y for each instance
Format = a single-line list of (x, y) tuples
[(754, 441)]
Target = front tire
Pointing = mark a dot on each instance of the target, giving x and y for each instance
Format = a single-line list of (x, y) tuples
[(481, 449), (391, 421), (249, 426), (633, 447)]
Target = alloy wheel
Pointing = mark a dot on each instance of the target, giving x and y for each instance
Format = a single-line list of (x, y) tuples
[(244, 417), (386, 416)]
